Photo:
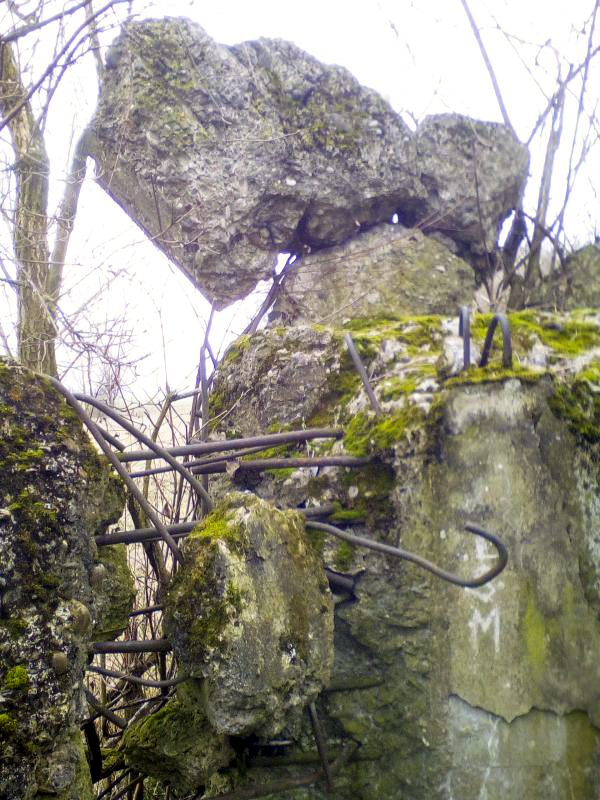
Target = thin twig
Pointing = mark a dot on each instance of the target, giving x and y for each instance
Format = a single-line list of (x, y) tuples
[(488, 65)]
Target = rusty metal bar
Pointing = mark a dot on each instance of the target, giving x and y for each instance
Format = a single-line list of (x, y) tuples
[(320, 742), (218, 465), (123, 676), (131, 646), (180, 529), (360, 368), (464, 330), (133, 488), (104, 711), (156, 450), (148, 610), (285, 785), (201, 462), (258, 465), (267, 440), (506, 342), (398, 552)]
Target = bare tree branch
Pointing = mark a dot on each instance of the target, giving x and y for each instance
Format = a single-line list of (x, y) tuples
[(488, 64), (12, 113)]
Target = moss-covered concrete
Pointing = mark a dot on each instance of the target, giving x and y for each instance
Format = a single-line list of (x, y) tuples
[(489, 692), (250, 613), (56, 493), (114, 588), (176, 745)]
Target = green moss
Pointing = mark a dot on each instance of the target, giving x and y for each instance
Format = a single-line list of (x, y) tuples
[(235, 352), (219, 525), (234, 597), (417, 332), (341, 387), (205, 619), (396, 387), (316, 539), (534, 633), (581, 753), (15, 626), (578, 403), (280, 473), (214, 605), (495, 374), (344, 556), (176, 744), (367, 433), (566, 337), (324, 120), (347, 515), (368, 490), (116, 604), (16, 678), (8, 726)]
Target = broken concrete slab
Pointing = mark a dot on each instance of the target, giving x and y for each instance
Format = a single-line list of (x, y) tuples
[(228, 156)]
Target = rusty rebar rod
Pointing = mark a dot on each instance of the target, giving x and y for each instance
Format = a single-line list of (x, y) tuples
[(155, 451), (266, 440), (123, 676), (398, 552), (320, 742), (360, 368), (464, 330), (219, 465), (114, 783), (261, 464), (506, 342), (180, 529), (104, 711), (145, 534), (131, 646), (120, 469), (148, 610), (280, 786), (126, 789)]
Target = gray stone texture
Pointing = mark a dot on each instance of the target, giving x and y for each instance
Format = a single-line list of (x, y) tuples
[(55, 495), (227, 156), (450, 693), (176, 745), (575, 286), (250, 613), (385, 271), (474, 173)]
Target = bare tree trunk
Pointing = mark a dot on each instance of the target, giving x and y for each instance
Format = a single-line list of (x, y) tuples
[(36, 326), (533, 265)]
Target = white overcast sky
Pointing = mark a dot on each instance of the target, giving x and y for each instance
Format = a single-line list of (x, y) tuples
[(420, 55)]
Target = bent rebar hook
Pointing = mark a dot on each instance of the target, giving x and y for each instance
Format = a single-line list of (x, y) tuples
[(398, 552), (464, 330)]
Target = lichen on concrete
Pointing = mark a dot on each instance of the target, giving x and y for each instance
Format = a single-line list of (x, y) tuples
[(177, 745), (250, 614), (228, 156), (56, 493), (461, 679), (114, 589)]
